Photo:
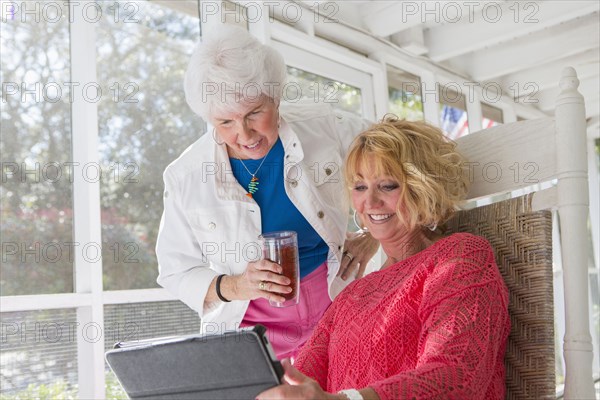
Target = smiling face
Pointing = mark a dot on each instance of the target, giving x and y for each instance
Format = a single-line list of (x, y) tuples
[(251, 130), (376, 199)]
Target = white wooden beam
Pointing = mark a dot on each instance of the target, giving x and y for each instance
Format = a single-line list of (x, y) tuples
[(486, 29), (397, 16), (339, 11), (75, 300), (411, 40), (573, 211), (86, 208), (44, 302), (544, 76), (298, 15), (593, 185), (474, 116), (431, 107), (136, 296), (189, 8), (539, 48)]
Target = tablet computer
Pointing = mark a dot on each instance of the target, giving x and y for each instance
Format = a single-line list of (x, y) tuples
[(233, 365)]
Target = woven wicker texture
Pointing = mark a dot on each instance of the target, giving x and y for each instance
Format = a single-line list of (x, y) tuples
[(522, 242)]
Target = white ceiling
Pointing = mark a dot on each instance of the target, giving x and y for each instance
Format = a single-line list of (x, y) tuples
[(520, 45)]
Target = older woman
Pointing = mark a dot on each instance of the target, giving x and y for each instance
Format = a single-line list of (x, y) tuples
[(266, 166), (433, 322)]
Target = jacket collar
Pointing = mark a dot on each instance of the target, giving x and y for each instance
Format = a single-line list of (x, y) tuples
[(291, 144), (227, 186)]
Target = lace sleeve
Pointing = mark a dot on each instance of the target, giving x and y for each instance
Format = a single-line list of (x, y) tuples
[(465, 325), (313, 359)]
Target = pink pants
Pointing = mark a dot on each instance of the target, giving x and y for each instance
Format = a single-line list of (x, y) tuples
[(289, 328)]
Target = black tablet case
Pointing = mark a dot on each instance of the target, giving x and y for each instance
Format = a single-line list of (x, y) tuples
[(235, 365)]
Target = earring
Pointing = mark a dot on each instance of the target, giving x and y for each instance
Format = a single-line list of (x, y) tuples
[(357, 224), (432, 227), (214, 132)]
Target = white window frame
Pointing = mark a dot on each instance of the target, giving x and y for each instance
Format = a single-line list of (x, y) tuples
[(335, 62), (310, 62)]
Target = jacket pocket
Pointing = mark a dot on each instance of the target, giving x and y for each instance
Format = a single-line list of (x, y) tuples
[(225, 237)]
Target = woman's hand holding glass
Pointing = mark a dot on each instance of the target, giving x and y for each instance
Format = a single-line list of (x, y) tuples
[(261, 279)]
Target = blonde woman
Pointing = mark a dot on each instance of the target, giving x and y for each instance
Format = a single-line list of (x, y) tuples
[(433, 322)]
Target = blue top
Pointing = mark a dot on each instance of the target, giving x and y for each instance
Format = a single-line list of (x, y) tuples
[(278, 213)]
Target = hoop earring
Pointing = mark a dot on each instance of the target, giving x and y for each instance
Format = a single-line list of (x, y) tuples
[(357, 224), (432, 227), (215, 138)]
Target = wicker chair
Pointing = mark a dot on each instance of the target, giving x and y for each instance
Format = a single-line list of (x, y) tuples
[(522, 242), (520, 230)]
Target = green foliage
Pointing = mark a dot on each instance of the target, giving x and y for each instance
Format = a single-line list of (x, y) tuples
[(35, 133), (321, 89), (405, 105), (52, 391), (62, 390), (114, 390), (143, 124)]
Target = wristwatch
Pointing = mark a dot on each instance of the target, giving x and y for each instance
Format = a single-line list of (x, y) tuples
[(352, 394)]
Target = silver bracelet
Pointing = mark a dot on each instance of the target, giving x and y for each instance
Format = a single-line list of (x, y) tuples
[(352, 394)]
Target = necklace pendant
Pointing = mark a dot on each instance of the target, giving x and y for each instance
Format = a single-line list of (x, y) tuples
[(252, 186)]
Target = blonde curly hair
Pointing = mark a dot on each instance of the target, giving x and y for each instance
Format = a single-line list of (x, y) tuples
[(429, 169)]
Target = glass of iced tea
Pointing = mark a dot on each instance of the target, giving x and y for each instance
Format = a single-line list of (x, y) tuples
[(281, 247)]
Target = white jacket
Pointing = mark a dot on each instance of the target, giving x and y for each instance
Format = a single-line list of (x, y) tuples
[(210, 227)]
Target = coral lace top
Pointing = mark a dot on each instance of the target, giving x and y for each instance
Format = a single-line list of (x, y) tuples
[(432, 326)]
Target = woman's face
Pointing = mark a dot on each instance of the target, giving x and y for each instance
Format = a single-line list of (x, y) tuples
[(251, 131), (375, 199)]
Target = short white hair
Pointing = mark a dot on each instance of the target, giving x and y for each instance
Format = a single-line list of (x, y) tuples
[(230, 66)]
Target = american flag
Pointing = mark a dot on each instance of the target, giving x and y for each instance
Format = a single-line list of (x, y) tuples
[(454, 122), (488, 123)]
